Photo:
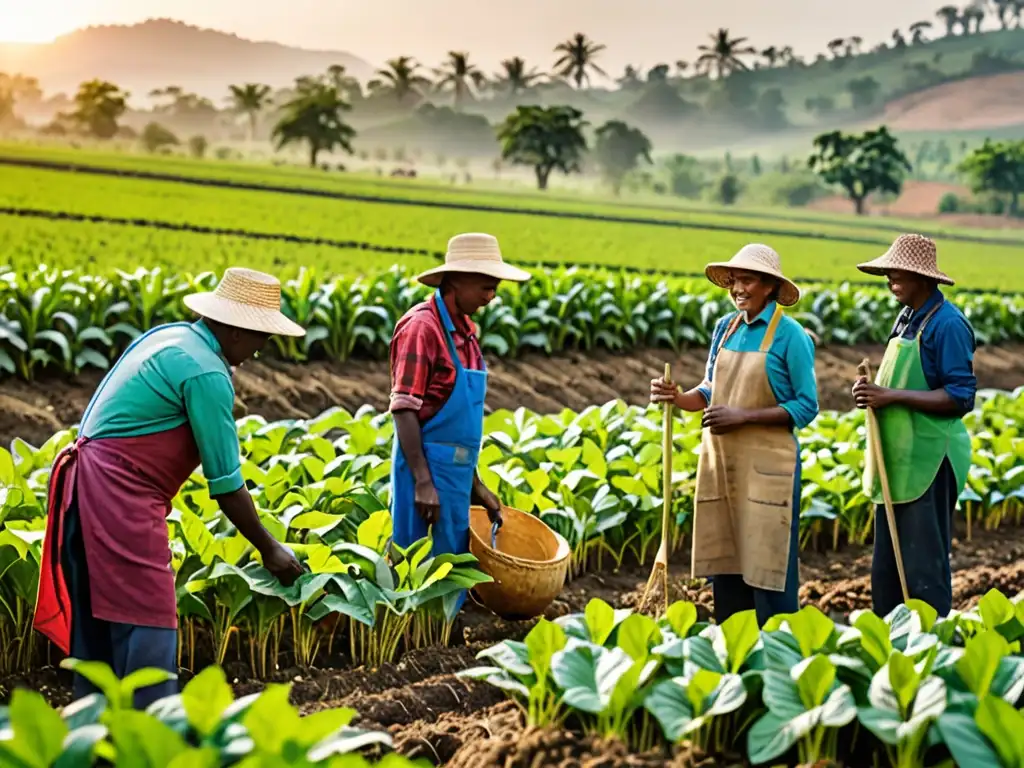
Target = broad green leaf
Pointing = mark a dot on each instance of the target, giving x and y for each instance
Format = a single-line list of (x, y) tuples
[(143, 741), (1003, 725), (600, 620), (205, 699), (980, 661), (38, 729)]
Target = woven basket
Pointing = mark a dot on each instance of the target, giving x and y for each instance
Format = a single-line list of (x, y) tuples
[(528, 566)]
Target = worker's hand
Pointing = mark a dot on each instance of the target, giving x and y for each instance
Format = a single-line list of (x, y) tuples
[(869, 395), (281, 562), (723, 418), (428, 505), (490, 502), (663, 391)]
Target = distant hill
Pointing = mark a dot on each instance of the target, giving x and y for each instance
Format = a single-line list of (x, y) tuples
[(162, 52), (996, 101)]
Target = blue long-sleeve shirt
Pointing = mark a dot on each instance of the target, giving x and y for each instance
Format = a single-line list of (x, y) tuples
[(789, 362), (947, 348)]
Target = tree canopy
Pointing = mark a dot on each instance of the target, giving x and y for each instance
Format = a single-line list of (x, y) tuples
[(315, 116), (998, 167), (860, 164), (546, 138), (618, 149)]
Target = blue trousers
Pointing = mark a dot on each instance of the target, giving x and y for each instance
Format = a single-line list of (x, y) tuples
[(733, 595), (124, 647), (925, 528)]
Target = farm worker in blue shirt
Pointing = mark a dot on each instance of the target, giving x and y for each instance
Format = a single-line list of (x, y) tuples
[(106, 586), (923, 388), (759, 388), (439, 383)]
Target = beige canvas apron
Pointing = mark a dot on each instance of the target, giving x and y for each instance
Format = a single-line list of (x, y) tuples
[(744, 495)]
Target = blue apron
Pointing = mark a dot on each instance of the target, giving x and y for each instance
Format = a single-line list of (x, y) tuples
[(451, 445)]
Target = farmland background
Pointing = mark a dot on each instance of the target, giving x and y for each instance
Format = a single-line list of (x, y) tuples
[(128, 178)]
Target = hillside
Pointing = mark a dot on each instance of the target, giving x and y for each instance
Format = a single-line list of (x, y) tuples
[(161, 52), (982, 102)]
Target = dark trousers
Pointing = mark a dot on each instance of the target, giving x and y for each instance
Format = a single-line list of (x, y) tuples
[(733, 595), (925, 528), (124, 647)]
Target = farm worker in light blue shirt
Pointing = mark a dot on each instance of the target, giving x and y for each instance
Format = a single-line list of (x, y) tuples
[(106, 586), (759, 388)]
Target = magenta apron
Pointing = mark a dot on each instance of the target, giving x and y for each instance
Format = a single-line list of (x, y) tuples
[(451, 445), (123, 488)]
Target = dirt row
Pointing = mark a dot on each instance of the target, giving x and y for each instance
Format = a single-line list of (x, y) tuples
[(433, 714), (33, 411)]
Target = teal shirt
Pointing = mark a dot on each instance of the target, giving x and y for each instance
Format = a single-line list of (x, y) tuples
[(790, 361), (169, 376)]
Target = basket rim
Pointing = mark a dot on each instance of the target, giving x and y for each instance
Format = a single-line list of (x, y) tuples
[(523, 562)]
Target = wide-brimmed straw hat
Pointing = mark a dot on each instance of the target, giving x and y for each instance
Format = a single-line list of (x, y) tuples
[(909, 253), (247, 299), (474, 253), (755, 258)]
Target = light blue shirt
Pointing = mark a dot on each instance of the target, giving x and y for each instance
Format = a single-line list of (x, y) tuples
[(169, 376), (789, 362)]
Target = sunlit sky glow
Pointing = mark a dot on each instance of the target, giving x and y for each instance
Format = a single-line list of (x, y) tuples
[(641, 32)]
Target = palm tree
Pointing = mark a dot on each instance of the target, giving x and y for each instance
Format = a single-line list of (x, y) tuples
[(917, 32), (723, 55), (950, 15), (975, 13), (514, 76), (853, 45), (343, 83), (401, 78), (250, 100), (577, 59), (459, 75), (771, 55), (681, 66), (835, 46), (315, 116)]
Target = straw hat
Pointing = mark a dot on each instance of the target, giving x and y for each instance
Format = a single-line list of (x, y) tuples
[(909, 253), (476, 254), (755, 258), (246, 299)]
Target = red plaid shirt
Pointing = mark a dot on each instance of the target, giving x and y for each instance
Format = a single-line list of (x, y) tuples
[(422, 373)]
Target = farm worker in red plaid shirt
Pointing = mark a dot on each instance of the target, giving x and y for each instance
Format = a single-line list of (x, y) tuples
[(438, 386), (106, 585)]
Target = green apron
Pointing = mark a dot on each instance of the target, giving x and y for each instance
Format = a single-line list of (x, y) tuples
[(914, 443)]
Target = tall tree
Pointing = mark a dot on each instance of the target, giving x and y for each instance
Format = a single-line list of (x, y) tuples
[(250, 100), (98, 106), (836, 46), (723, 55), (860, 164), (576, 59), (346, 85), (998, 167), (771, 54), (400, 77), (17, 89), (950, 16), (973, 18), (315, 116), (618, 149), (459, 76), (515, 78), (544, 138)]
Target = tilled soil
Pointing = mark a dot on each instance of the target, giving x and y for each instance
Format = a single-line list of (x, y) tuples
[(34, 411), (433, 714)]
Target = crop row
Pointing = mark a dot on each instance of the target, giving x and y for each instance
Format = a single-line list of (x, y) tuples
[(204, 726), (68, 321), (907, 690), (525, 237), (322, 486), (496, 192)]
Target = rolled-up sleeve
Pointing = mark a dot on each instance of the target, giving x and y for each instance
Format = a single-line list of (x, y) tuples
[(802, 407), (953, 344), (716, 342), (209, 402)]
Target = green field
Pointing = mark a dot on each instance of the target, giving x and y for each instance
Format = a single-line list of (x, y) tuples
[(489, 191), (525, 238)]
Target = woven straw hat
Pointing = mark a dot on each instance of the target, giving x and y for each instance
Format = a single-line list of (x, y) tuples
[(909, 253), (755, 258), (474, 253), (246, 299)]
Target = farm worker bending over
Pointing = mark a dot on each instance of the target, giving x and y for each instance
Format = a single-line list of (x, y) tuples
[(759, 387), (106, 587), (924, 386), (438, 386)]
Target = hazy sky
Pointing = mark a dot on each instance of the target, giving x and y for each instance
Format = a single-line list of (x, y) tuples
[(639, 32)]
